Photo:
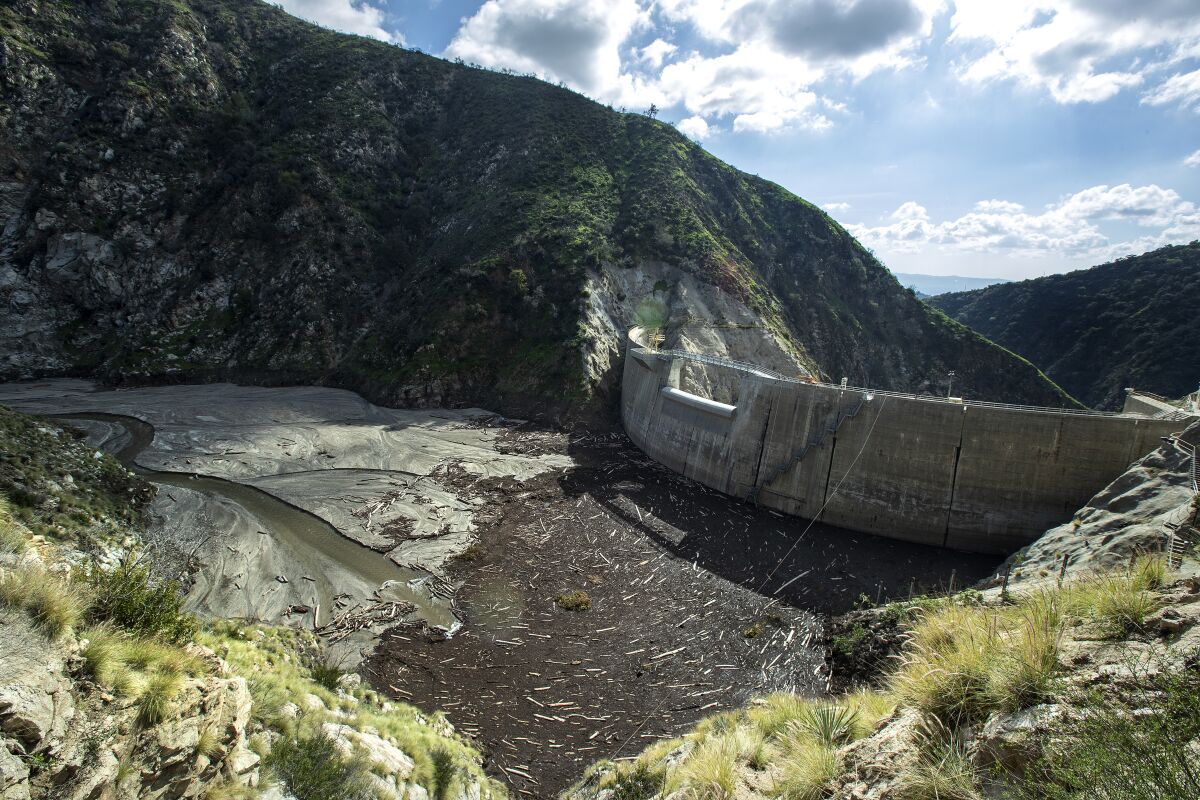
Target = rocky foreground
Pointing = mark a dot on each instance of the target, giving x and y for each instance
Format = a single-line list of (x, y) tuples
[(1076, 677)]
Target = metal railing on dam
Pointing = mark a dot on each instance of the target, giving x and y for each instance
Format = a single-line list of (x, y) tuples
[(971, 475)]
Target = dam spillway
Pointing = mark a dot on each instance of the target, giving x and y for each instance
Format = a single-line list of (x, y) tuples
[(973, 476)]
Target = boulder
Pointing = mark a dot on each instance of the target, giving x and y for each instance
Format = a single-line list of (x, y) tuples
[(35, 693), (377, 750)]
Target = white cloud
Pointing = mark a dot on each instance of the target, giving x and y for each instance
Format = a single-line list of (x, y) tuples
[(763, 91), (656, 52), (694, 127), (575, 41), (1182, 89), (1070, 226), (1080, 51), (1193, 160), (343, 15), (837, 206)]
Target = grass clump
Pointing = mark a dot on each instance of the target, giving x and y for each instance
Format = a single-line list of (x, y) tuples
[(312, 768), (156, 696), (324, 671), (808, 768), (54, 604), (13, 538), (574, 601), (711, 771), (943, 771), (964, 662)]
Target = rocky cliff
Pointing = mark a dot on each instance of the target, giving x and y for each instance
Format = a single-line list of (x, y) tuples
[(1130, 323), (204, 188)]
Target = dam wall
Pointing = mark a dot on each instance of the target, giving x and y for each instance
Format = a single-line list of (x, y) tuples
[(980, 477)]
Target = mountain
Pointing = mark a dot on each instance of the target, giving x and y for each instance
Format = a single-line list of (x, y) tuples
[(930, 285), (1129, 323), (212, 189)]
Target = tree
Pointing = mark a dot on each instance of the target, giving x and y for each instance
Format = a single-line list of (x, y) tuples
[(652, 112)]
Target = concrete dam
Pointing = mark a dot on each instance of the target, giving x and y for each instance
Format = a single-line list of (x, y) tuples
[(968, 475)]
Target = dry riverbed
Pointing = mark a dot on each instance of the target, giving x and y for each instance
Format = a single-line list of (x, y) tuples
[(297, 500)]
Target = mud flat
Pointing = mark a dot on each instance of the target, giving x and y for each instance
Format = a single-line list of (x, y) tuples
[(684, 619), (299, 504)]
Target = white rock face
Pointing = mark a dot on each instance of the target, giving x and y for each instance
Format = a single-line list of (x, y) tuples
[(700, 319), (381, 753)]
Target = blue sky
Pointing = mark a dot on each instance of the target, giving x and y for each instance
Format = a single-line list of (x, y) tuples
[(1000, 138)]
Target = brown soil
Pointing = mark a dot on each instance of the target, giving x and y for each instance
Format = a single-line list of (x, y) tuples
[(681, 625)]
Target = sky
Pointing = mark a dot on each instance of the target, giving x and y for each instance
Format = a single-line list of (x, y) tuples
[(989, 138)]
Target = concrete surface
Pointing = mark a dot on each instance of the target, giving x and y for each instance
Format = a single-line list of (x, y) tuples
[(971, 476)]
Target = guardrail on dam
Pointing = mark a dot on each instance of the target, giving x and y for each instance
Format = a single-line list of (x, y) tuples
[(981, 477)]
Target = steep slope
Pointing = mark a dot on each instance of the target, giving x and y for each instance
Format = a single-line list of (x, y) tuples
[(1096, 331), (211, 188)]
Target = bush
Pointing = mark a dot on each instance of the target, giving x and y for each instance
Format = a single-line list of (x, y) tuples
[(573, 601), (131, 599), (323, 671), (964, 662), (311, 768), (54, 604), (1109, 753), (711, 772)]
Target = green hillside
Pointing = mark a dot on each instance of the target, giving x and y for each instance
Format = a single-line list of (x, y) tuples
[(1130, 323), (212, 189)]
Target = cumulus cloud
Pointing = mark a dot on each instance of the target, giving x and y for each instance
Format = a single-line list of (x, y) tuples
[(1193, 160), (694, 127), (770, 54), (1080, 51), (837, 206), (835, 32), (763, 91), (1070, 226), (343, 15), (575, 41), (656, 52)]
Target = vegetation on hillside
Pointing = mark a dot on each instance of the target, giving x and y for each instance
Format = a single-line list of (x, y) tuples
[(1129, 323), (267, 200)]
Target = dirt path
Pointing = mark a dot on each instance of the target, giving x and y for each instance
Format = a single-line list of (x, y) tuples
[(680, 625)]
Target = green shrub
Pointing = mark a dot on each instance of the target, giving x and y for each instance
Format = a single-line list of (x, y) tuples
[(323, 671), (1109, 753), (311, 768), (829, 724), (573, 601), (640, 782), (130, 598), (809, 768)]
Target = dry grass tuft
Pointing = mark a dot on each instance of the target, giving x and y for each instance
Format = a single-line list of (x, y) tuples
[(52, 602)]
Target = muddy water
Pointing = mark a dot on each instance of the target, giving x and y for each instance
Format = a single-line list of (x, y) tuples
[(308, 538)]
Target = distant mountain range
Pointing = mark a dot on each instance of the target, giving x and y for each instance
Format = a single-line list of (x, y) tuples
[(930, 285), (1130, 323)]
